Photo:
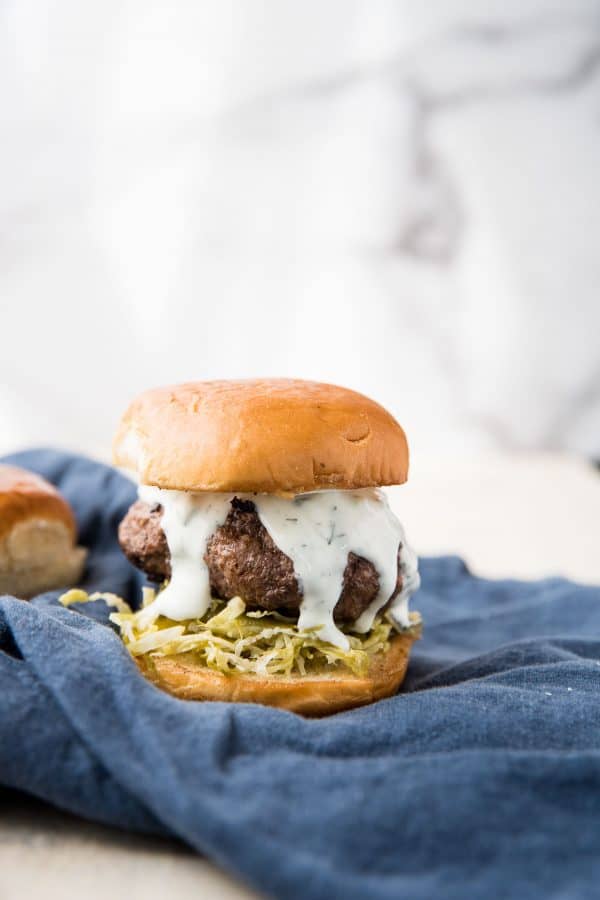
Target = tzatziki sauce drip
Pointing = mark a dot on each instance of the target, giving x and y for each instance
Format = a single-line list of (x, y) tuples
[(316, 531), (188, 521)]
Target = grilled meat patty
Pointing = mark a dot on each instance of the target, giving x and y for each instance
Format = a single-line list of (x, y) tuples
[(244, 561)]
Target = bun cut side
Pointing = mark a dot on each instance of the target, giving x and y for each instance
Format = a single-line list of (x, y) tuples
[(321, 694), (37, 536), (268, 436)]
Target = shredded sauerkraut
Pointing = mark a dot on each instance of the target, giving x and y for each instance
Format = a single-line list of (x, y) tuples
[(232, 639)]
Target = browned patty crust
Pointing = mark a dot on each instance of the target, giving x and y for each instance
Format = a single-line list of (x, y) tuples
[(244, 561)]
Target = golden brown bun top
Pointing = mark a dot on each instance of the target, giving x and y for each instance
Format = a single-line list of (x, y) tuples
[(272, 435), (24, 495)]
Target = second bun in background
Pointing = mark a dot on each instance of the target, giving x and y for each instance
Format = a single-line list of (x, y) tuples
[(38, 549)]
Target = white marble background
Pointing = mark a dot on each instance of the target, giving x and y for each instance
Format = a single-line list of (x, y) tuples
[(399, 196)]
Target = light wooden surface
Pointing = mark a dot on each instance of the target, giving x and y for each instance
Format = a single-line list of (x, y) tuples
[(50, 855), (524, 516)]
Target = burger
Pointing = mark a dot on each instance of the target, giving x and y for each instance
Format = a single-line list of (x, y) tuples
[(281, 575)]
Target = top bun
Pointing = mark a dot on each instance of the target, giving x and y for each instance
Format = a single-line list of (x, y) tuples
[(274, 435), (37, 536), (25, 495)]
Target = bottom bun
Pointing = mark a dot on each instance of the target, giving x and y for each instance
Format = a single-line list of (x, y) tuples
[(310, 695), (38, 555)]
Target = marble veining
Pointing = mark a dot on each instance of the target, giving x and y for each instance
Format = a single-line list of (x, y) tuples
[(400, 197)]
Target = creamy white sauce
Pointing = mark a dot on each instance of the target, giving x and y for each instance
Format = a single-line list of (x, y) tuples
[(316, 531), (188, 521)]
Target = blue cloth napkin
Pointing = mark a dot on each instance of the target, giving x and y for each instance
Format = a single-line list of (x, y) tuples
[(481, 779)]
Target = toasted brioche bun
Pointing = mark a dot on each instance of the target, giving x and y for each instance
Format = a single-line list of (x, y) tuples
[(273, 436), (185, 677), (37, 536)]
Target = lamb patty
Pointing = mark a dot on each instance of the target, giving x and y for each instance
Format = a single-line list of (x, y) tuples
[(244, 561)]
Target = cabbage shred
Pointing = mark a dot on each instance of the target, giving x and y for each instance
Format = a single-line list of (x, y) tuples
[(231, 639)]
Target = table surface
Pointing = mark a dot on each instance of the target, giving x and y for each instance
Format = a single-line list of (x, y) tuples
[(525, 516)]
